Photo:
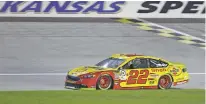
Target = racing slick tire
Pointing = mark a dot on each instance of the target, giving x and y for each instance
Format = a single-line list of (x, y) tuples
[(165, 82), (104, 82)]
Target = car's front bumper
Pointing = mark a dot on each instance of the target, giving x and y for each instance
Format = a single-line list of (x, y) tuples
[(69, 85), (73, 82)]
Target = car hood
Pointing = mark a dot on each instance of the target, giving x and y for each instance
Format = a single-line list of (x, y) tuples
[(85, 69)]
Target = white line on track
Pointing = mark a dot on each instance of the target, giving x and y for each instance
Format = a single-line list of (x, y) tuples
[(154, 24), (197, 73), (56, 74)]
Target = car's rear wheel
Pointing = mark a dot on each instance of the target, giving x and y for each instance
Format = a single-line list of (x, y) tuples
[(165, 82), (104, 82)]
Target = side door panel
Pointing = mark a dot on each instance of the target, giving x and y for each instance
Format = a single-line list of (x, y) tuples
[(135, 78), (147, 76)]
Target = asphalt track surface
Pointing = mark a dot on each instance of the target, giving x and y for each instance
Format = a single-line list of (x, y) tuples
[(35, 55)]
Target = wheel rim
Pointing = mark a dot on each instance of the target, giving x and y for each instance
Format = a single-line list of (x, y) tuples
[(165, 81), (104, 82)]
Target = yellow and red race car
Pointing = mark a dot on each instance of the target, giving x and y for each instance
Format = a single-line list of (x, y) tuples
[(128, 71)]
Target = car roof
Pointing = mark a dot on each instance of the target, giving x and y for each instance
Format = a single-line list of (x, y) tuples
[(126, 56), (133, 56)]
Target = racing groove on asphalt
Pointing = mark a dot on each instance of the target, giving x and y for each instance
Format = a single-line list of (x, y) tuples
[(56, 47)]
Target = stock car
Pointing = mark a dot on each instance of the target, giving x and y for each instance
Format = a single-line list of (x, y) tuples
[(128, 71)]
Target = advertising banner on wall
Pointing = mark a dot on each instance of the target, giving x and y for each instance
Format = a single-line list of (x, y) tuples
[(128, 9)]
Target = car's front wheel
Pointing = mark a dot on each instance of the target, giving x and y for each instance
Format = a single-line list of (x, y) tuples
[(165, 82), (104, 82)]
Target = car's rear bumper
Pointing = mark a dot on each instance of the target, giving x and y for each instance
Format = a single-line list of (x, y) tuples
[(180, 82), (183, 78)]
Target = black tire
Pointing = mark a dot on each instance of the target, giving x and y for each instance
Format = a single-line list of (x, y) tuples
[(108, 85), (165, 82)]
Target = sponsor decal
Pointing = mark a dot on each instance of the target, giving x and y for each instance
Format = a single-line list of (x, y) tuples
[(159, 70), (116, 76), (154, 75), (122, 75), (183, 82), (138, 77), (151, 82), (63, 7), (174, 71)]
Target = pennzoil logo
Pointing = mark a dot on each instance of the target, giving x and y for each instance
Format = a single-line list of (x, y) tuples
[(174, 71)]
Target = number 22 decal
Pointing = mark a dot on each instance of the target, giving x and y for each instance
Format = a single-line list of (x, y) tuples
[(138, 77)]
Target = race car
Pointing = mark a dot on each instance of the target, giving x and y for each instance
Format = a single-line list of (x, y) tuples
[(128, 71)]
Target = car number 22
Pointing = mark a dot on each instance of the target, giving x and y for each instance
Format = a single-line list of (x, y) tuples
[(138, 77)]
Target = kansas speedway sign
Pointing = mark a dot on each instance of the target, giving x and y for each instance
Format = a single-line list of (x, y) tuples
[(131, 9)]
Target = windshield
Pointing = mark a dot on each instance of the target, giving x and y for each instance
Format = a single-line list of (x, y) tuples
[(110, 63)]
